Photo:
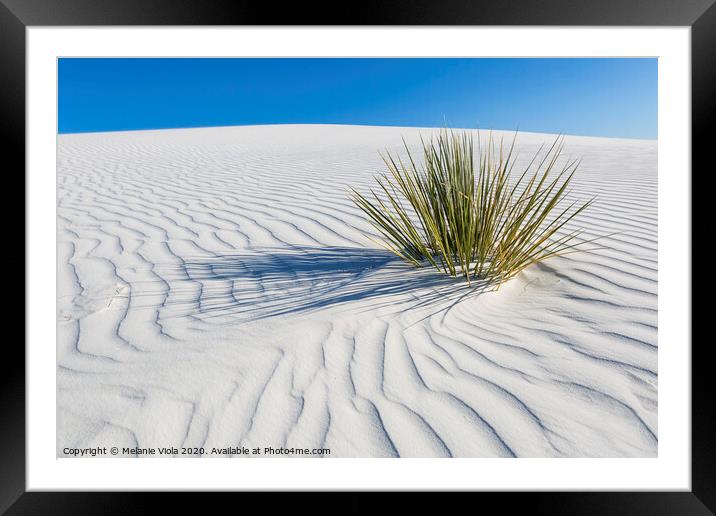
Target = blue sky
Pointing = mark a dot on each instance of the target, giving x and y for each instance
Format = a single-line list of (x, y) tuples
[(595, 96)]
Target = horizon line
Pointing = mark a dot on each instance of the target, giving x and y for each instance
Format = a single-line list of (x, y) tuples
[(517, 130)]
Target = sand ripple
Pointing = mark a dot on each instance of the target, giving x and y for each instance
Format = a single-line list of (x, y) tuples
[(215, 288)]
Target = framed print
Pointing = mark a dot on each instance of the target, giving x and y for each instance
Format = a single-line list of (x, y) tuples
[(444, 248)]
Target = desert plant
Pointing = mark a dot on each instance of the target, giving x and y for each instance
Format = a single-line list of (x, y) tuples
[(467, 215)]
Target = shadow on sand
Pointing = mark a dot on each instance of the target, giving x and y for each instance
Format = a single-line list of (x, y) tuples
[(266, 282)]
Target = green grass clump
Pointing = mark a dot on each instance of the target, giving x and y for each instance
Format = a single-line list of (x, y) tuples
[(468, 215)]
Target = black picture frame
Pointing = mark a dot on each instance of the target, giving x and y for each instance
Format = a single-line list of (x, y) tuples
[(17, 15)]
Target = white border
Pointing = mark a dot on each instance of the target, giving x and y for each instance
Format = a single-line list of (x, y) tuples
[(671, 470)]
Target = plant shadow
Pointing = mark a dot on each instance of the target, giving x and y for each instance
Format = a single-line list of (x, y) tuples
[(267, 282)]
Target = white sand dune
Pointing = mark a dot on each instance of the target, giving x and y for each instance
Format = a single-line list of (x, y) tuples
[(216, 288)]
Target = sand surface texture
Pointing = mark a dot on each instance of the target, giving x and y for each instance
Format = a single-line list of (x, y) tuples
[(216, 288)]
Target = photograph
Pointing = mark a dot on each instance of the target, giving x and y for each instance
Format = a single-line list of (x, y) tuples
[(359, 257)]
